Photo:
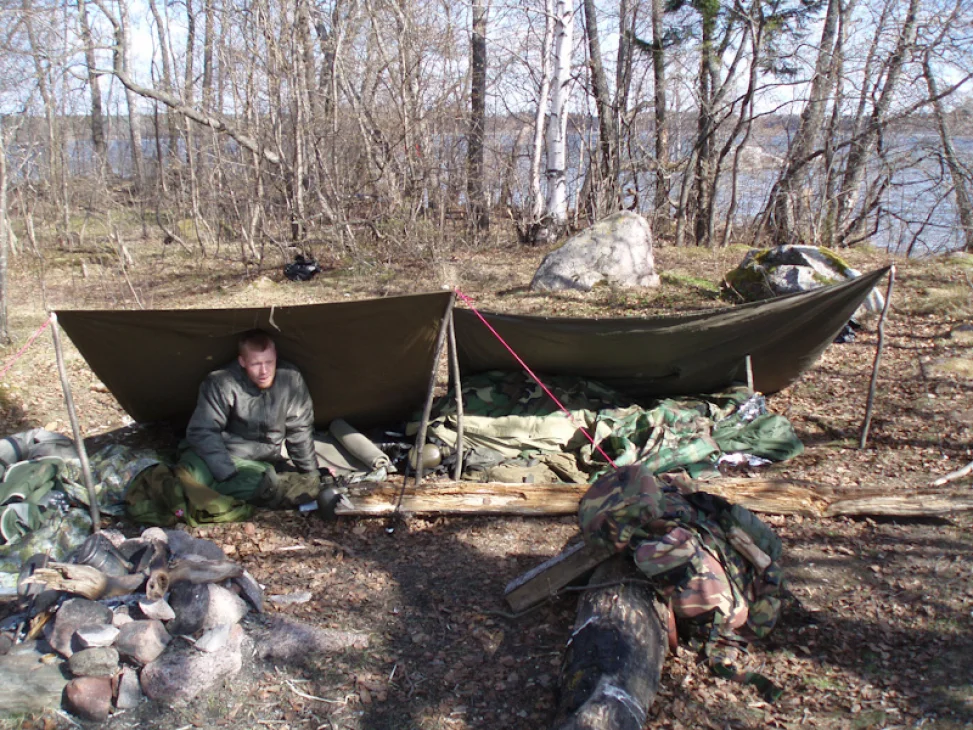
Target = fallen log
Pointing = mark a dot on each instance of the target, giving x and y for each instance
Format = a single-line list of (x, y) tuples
[(763, 495), (613, 661), (466, 498)]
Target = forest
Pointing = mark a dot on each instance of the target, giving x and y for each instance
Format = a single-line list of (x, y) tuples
[(261, 125)]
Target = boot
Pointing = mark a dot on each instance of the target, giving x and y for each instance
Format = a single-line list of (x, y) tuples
[(287, 490)]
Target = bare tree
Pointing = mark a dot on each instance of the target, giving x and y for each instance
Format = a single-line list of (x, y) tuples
[(964, 208), (478, 77), (605, 186)]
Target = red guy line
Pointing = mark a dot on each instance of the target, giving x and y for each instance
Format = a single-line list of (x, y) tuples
[(23, 349), (469, 303)]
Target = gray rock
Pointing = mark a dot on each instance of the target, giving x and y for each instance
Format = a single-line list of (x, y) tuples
[(159, 610), (782, 270), (182, 672), (616, 250), (121, 617), (90, 637), (249, 590), (89, 698), (190, 603), (156, 533), (142, 641), (128, 691), (29, 681), (180, 543), (71, 616), (198, 546), (214, 639), (224, 607), (101, 661)]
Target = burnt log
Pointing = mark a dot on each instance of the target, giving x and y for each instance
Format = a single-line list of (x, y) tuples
[(613, 661)]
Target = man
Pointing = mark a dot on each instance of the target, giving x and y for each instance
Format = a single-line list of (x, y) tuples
[(245, 412)]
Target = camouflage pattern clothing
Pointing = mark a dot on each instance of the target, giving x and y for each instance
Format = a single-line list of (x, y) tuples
[(687, 545), (508, 415)]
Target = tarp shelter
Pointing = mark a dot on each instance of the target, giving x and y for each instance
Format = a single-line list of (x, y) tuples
[(369, 362), (646, 358), (365, 361)]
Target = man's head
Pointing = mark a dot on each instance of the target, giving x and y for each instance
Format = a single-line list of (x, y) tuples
[(258, 357)]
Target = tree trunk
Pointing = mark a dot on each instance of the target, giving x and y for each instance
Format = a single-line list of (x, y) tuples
[(605, 188), (705, 126), (613, 661), (476, 189), (783, 203), (557, 121), (863, 143), (661, 202), (537, 149), (55, 149), (963, 206), (97, 115)]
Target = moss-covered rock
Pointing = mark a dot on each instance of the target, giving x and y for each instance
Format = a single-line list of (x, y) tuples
[(766, 273)]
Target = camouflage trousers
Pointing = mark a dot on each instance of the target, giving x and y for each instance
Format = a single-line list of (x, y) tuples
[(256, 482)]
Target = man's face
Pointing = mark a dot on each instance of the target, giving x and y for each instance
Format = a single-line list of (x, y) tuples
[(260, 365)]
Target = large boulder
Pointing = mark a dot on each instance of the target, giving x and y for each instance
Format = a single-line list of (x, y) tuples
[(771, 272), (616, 250)]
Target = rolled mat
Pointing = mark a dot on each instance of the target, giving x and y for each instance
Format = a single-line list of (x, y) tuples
[(358, 445)]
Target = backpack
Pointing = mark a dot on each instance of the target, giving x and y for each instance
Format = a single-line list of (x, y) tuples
[(712, 562)]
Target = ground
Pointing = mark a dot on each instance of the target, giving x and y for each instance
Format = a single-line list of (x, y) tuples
[(883, 638)]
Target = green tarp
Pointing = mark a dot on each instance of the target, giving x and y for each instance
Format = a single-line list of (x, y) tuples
[(369, 361), (645, 358), (365, 361)]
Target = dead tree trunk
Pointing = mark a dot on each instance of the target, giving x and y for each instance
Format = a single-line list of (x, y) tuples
[(614, 658)]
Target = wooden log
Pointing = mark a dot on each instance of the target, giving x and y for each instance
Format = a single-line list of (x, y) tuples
[(613, 662), (466, 498), (880, 503), (763, 495), (552, 575)]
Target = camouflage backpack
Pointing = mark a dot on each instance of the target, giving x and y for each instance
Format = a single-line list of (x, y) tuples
[(713, 563)]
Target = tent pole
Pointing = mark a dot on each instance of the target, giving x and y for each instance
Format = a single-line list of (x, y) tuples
[(440, 341), (749, 362), (458, 386), (75, 427)]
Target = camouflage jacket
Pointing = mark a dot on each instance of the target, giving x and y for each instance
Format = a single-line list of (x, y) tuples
[(685, 544)]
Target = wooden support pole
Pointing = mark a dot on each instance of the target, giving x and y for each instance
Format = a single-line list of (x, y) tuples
[(458, 392), (613, 661), (867, 422), (75, 427), (424, 424)]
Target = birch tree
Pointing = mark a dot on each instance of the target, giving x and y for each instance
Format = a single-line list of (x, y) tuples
[(556, 212)]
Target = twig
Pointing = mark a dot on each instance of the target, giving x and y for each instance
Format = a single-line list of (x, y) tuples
[(866, 424), (307, 696), (67, 717), (953, 476)]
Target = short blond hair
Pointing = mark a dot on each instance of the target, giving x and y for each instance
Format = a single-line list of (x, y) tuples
[(254, 340)]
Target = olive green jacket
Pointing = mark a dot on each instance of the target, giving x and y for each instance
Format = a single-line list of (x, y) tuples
[(235, 418)]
